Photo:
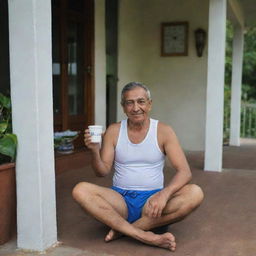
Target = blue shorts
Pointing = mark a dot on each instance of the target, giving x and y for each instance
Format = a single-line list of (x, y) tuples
[(135, 200)]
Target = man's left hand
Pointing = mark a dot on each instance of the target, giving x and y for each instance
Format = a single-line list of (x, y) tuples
[(155, 205)]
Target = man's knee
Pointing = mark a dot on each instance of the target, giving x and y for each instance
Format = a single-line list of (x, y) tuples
[(197, 192), (191, 199), (81, 190), (196, 195)]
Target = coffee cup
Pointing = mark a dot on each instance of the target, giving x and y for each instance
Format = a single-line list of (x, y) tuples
[(95, 132)]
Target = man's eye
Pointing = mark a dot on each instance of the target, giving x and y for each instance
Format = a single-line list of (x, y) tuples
[(141, 102)]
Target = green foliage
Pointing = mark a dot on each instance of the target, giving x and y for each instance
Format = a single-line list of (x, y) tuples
[(228, 63), (8, 140), (249, 65), (248, 80), (249, 62)]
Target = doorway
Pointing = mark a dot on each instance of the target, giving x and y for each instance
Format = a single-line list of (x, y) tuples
[(4, 49), (72, 64)]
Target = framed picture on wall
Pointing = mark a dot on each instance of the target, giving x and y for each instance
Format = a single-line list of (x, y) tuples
[(174, 39)]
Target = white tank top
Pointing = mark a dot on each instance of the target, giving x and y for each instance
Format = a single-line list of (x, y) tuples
[(138, 166)]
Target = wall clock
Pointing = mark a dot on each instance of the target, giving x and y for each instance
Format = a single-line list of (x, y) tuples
[(174, 39)]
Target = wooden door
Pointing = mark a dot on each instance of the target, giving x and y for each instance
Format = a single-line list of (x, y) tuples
[(73, 65)]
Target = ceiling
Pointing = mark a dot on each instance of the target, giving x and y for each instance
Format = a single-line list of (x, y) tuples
[(249, 8)]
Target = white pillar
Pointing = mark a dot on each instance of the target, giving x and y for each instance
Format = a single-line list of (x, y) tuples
[(215, 85), (31, 93), (236, 84)]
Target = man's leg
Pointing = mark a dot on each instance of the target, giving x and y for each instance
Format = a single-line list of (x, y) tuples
[(108, 206), (181, 204)]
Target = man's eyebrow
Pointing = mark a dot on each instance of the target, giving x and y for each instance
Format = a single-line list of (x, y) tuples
[(136, 99)]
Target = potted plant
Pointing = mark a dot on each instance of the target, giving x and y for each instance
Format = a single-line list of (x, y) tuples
[(8, 145), (63, 141)]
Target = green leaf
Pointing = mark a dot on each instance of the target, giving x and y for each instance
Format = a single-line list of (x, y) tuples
[(3, 127), (5, 101), (8, 145)]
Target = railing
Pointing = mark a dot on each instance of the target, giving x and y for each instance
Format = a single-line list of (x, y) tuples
[(248, 120), (226, 122)]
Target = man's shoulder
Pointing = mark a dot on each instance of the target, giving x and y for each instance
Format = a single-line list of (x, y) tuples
[(114, 125), (111, 134), (165, 133), (113, 128), (163, 127)]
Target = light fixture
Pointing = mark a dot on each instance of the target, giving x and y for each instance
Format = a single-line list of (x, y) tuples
[(200, 38)]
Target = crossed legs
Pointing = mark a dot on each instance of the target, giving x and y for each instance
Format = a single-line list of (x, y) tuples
[(109, 207)]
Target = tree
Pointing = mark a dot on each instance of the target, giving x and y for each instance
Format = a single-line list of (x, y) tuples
[(249, 63), (248, 81)]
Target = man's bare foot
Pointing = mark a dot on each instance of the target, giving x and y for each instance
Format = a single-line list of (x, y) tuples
[(166, 240), (112, 235)]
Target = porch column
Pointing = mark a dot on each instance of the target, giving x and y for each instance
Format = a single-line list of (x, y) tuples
[(31, 93), (236, 86), (215, 85)]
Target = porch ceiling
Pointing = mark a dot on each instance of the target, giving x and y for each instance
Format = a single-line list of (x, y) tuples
[(249, 8)]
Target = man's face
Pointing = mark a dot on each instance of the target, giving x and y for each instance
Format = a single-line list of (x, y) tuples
[(136, 105)]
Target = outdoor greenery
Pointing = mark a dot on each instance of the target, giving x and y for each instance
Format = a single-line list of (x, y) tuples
[(8, 140), (248, 110)]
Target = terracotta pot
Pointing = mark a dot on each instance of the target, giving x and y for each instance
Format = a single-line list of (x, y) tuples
[(7, 202)]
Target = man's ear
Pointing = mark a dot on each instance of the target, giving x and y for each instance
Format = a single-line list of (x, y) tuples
[(122, 105), (150, 103)]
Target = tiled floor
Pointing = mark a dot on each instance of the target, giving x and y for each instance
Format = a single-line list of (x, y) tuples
[(224, 225)]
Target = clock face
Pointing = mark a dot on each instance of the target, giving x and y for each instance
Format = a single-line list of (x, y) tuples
[(174, 39)]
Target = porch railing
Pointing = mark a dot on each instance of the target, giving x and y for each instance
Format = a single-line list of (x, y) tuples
[(248, 120)]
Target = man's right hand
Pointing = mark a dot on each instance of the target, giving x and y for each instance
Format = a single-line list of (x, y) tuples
[(102, 153), (87, 141)]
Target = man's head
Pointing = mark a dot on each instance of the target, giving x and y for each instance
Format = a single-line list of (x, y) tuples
[(131, 86), (136, 102)]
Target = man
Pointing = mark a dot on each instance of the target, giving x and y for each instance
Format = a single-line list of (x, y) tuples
[(138, 202)]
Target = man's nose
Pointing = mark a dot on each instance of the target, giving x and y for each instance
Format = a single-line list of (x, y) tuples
[(136, 106)]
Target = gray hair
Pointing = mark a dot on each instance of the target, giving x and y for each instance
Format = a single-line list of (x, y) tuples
[(131, 86)]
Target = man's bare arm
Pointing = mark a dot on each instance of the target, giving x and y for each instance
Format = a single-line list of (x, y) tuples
[(178, 160), (102, 158), (168, 142)]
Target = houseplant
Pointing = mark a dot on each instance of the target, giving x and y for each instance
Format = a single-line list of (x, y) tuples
[(63, 141), (8, 145)]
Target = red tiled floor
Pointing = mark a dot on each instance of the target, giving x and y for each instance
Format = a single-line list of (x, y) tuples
[(222, 226)]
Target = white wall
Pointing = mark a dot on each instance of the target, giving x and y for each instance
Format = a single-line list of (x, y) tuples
[(130, 45), (100, 63), (178, 84)]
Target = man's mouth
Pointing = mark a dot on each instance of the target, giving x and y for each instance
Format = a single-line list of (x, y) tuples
[(137, 114)]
